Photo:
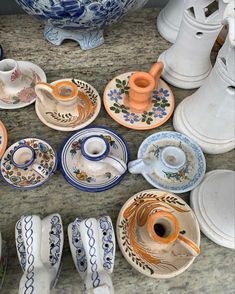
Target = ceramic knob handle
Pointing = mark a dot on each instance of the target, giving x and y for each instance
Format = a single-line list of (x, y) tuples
[(140, 166), (189, 245), (44, 91), (116, 163)]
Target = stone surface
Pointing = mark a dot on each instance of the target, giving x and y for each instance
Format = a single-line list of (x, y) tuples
[(132, 44)]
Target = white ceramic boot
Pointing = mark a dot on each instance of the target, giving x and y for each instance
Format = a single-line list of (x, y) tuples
[(169, 19), (39, 246), (208, 116), (92, 244), (187, 63)]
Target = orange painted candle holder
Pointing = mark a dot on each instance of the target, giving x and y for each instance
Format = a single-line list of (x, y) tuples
[(141, 86)]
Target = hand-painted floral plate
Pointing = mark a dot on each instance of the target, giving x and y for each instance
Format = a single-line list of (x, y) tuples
[(114, 102), (151, 261), (3, 139), (185, 179), (88, 98), (24, 94), (69, 160), (28, 178)]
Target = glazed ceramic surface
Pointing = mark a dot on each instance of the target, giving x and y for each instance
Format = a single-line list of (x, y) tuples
[(17, 82), (183, 180), (3, 139), (115, 96), (57, 115), (77, 175), (3, 260), (213, 202), (152, 260), (187, 63), (92, 244), (80, 20), (28, 178), (39, 245)]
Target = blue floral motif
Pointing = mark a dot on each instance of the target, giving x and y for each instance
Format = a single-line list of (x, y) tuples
[(115, 95), (159, 112), (42, 147), (161, 94), (131, 117), (55, 240)]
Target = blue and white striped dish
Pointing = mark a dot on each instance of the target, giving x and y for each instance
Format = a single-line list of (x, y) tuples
[(68, 161)]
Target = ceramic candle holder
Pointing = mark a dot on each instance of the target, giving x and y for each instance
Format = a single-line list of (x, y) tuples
[(187, 63), (92, 244), (95, 156), (172, 159), (141, 86), (24, 157), (39, 245), (169, 20)]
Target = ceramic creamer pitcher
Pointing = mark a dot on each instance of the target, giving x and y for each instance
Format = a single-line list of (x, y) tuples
[(141, 86)]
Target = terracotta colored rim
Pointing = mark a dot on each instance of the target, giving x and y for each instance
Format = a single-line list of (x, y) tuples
[(59, 85), (144, 76), (5, 139), (172, 236), (121, 122)]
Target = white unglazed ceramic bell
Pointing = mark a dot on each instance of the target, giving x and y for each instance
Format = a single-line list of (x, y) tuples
[(208, 116), (169, 19), (187, 63), (92, 244), (39, 245)]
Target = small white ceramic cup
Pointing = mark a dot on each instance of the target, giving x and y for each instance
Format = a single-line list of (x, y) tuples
[(95, 149), (24, 156), (171, 160)]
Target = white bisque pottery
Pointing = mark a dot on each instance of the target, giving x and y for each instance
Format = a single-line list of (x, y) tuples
[(213, 202), (187, 62), (169, 20), (92, 244), (208, 116), (39, 244)]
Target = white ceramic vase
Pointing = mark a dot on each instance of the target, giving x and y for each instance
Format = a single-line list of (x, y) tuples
[(39, 245), (169, 19), (187, 63), (208, 116)]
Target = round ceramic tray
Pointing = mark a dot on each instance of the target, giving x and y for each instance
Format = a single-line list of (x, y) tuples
[(114, 101), (27, 178), (213, 202), (66, 121), (71, 151), (3, 139), (29, 74), (152, 262), (189, 176)]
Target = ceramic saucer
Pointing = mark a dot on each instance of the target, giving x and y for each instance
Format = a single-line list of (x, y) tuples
[(185, 179), (152, 262), (27, 178), (213, 202), (88, 97), (28, 74), (114, 101), (71, 152), (3, 139)]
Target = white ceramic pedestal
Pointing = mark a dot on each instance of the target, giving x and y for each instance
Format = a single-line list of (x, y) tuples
[(208, 116), (187, 63), (169, 19), (213, 202)]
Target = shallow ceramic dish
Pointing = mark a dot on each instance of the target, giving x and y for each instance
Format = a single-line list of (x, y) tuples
[(152, 262), (3, 139), (25, 74), (50, 116), (115, 96), (186, 178), (71, 152), (213, 202), (27, 178)]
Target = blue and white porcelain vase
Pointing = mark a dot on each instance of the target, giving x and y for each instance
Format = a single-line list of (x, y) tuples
[(79, 20)]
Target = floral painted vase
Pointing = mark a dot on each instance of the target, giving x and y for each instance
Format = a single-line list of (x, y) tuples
[(158, 234), (17, 82), (79, 20), (39, 245)]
